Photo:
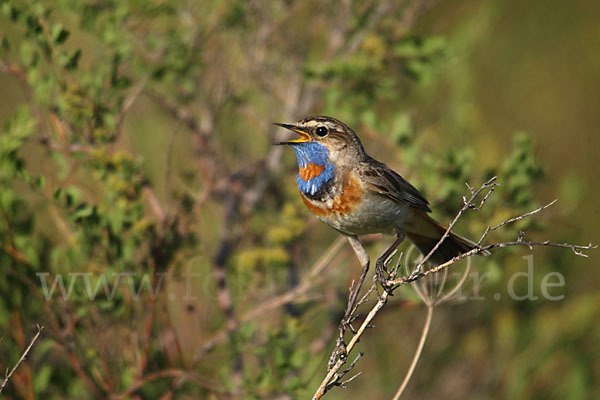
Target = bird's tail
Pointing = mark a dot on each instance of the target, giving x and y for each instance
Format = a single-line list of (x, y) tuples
[(426, 232)]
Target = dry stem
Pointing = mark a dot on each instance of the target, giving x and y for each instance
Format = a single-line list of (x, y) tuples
[(23, 356), (417, 355), (337, 360)]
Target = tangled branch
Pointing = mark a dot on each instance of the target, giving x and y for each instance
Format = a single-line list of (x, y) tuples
[(339, 358)]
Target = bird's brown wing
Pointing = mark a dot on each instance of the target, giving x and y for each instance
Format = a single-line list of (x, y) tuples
[(388, 183)]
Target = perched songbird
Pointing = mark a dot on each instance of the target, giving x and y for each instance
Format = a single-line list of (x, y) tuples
[(357, 195)]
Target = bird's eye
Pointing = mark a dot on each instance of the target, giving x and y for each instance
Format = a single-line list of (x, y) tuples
[(321, 131)]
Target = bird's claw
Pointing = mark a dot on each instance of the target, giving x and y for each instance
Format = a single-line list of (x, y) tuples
[(381, 274)]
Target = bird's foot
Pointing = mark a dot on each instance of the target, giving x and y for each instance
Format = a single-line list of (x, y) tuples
[(382, 274)]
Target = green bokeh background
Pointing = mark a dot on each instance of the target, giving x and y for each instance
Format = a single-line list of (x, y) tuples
[(506, 67)]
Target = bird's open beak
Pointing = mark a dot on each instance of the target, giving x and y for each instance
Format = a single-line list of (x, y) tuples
[(304, 136)]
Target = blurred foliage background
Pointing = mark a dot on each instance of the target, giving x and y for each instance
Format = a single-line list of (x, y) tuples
[(136, 140)]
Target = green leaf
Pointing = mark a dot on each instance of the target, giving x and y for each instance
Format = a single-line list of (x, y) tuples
[(59, 34), (5, 44), (73, 196), (83, 211), (29, 55), (42, 377), (41, 181), (10, 11), (402, 129), (70, 62), (4, 314), (58, 191)]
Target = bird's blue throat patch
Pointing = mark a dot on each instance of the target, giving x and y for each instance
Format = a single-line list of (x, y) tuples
[(315, 168)]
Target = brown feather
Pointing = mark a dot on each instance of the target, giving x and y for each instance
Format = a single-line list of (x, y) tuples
[(383, 180), (425, 233)]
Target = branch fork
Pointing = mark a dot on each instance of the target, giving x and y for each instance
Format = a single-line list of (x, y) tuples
[(339, 355)]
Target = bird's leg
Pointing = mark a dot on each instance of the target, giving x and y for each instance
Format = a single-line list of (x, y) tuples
[(380, 269), (363, 258)]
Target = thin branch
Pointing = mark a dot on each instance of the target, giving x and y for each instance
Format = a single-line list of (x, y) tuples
[(338, 360), (154, 203), (315, 277), (23, 356), (467, 204), (131, 98), (515, 219), (170, 373), (224, 298), (344, 372), (330, 379), (459, 284), (417, 355), (576, 248), (333, 377)]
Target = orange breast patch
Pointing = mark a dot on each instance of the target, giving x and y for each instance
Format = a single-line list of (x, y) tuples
[(343, 203), (310, 171), (312, 208)]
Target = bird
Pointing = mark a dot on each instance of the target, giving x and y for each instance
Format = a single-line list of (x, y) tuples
[(356, 195)]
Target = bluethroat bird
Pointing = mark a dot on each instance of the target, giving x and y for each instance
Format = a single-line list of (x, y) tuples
[(357, 195)]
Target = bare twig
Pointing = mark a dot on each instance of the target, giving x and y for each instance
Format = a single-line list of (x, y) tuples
[(576, 248), (338, 360), (23, 356), (131, 98), (170, 373), (154, 202), (515, 219), (314, 278), (224, 297), (417, 355), (431, 293), (344, 372), (331, 377), (467, 204)]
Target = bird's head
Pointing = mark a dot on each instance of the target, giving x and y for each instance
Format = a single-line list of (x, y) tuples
[(324, 139), (325, 146)]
